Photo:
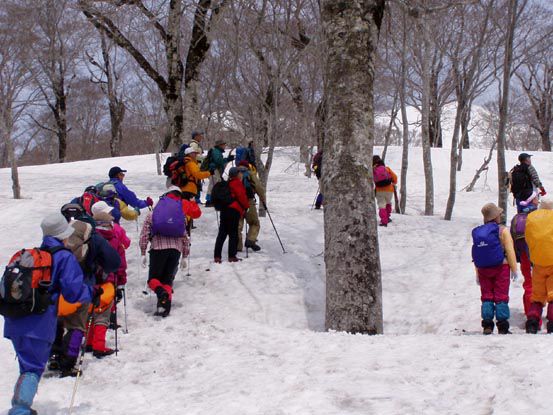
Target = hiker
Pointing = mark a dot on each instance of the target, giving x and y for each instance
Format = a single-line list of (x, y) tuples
[(230, 217), (253, 187), (32, 336), (524, 179), (116, 175), (196, 144), (108, 193), (317, 166), (518, 228), (96, 258), (493, 255), (539, 237), (245, 154), (165, 229), (117, 238), (216, 165), (191, 175), (384, 182)]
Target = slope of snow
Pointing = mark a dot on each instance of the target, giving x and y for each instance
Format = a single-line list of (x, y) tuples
[(248, 338)]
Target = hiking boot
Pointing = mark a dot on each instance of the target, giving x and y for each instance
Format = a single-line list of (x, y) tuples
[(102, 353), (217, 260), (503, 327), (162, 295), (234, 259), (163, 310), (252, 245), (88, 349), (208, 204), (54, 363), (532, 326), (69, 372), (383, 224), (317, 207), (487, 326), (550, 327)]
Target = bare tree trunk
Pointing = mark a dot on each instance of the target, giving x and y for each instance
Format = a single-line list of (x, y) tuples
[(404, 121), (393, 116), (465, 141), (453, 161), (503, 191), (306, 154), (353, 281), (6, 127), (482, 168)]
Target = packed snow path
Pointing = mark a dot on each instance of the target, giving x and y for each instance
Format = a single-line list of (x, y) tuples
[(247, 338)]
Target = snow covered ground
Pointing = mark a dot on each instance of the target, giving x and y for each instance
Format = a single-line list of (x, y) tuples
[(247, 338)]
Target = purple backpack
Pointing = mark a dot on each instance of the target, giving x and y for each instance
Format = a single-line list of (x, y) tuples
[(168, 218)]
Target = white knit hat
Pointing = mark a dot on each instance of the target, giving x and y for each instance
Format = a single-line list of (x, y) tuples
[(56, 225)]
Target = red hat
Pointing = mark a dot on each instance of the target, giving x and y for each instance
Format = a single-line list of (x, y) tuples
[(244, 163)]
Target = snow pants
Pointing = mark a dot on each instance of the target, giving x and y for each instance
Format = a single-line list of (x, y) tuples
[(164, 264), (32, 355), (526, 269), (384, 202), (494, 289), (252, 219), (228, 226), (542, 284), (319, 200)]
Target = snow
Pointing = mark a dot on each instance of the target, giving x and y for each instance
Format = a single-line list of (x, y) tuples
[(248, 338)]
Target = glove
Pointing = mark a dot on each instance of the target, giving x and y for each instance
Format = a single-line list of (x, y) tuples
[(149, 201), (230, 157), (542, 191), (477, 280), (183, 264), (144, 261), (514, 276), (97, 292), (119, 293), (137, 211)]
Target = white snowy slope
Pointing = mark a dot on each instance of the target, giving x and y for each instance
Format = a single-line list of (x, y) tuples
[(247, 338)]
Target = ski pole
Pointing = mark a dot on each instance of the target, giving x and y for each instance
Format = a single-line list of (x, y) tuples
[(81, 357), (316, 196), (246, 222), (274, 227), (125, 310), (115, 312)]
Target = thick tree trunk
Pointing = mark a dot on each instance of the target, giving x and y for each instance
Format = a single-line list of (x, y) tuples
[(503, 190), (353, 280), (404, 121), (425, 120), (393, 116), (453, 159), (465, 141), (59, 111), (6, 127)]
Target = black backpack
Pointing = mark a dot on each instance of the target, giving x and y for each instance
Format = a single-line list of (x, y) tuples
[(521, 182), (221, 197), (207, 160)]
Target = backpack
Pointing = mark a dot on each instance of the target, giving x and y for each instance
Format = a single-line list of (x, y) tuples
[(168, 218), (88, 198), (381, 176), (521, 182), (207, 160), (241, 154), (25, 283), (106, 191), (518, 226), (486, 246), (182, 151), (317, 164), (167, 170), (221, 197), (174, 169)]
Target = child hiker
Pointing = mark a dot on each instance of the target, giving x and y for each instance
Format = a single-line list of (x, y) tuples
[(493, 254)]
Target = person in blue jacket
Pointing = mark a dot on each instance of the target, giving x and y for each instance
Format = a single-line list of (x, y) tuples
[(32, 336), (116, 176)]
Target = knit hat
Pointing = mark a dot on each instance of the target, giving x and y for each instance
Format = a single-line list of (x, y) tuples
[(101, 211), (233, 172), (491, 212), (546, 203), (56, 226), (189, 150), (114, 171), (220, 142)]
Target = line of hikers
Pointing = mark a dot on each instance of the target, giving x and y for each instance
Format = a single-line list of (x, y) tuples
[(497, 249), (384, 179), (59, 300)]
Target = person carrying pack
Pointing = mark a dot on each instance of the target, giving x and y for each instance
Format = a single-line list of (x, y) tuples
[(317, 167), (230, 214), (116, 176), (494, 256), (518, 233), (384, 181), (88, 198), (168, 240), (215, 163), (524, 179), (194, 176), (32, 335), (539, 237)]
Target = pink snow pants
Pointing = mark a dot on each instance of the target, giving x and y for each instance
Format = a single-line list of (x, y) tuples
[(494, 283)]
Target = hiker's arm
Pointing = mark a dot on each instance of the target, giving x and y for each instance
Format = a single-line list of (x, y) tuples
[(197, 173), (129, 197), (73, 288), (508, 245), (534, 176), (394, 176), (259, 188)]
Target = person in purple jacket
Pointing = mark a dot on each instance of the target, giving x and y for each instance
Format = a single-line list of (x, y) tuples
[(116, 175), (32, 336)]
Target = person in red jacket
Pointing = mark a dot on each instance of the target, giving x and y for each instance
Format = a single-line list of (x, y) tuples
[(230, 217)]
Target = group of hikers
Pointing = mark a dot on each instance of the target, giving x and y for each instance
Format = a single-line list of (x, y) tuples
[(59, 300), (497, 250)]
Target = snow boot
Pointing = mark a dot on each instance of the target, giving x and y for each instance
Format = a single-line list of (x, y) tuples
[(54, 362), (24, 393), (252, 245), (532, 326), (487, 326), (503, 327), (99, 348), (383, 217), (217, 260), (67, 367), (234, 259)]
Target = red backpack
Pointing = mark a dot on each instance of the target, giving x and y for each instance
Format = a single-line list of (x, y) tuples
[(89, 197)]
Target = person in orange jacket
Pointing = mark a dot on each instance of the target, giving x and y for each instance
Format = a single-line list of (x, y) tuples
[(191, 170), (384, 181)]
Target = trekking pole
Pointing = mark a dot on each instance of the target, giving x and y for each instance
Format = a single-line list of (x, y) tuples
[(247, 254), (125, 310), (316, 196), (115, 312), (274, 227), (81, 357)]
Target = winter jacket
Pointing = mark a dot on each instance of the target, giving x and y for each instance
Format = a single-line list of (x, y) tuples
[(317, 164), (100, 256), (67, 279), (534, 176), (118, 240), (160, 242), (390, 187), (254, 186), (127, 195), (217, 161), (194, 174), (539, 237), (238, 192), (127, 212)]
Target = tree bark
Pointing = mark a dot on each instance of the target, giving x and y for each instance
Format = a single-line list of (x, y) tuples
[(454, 155), (404, 121), (353, 279), (393, 116)]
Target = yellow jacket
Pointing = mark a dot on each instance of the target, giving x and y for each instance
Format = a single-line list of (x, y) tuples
[(127, 212), (194, 174), (539, 236)]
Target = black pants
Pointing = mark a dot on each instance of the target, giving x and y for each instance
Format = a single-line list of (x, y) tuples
[(228, 225), (163, 265)]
